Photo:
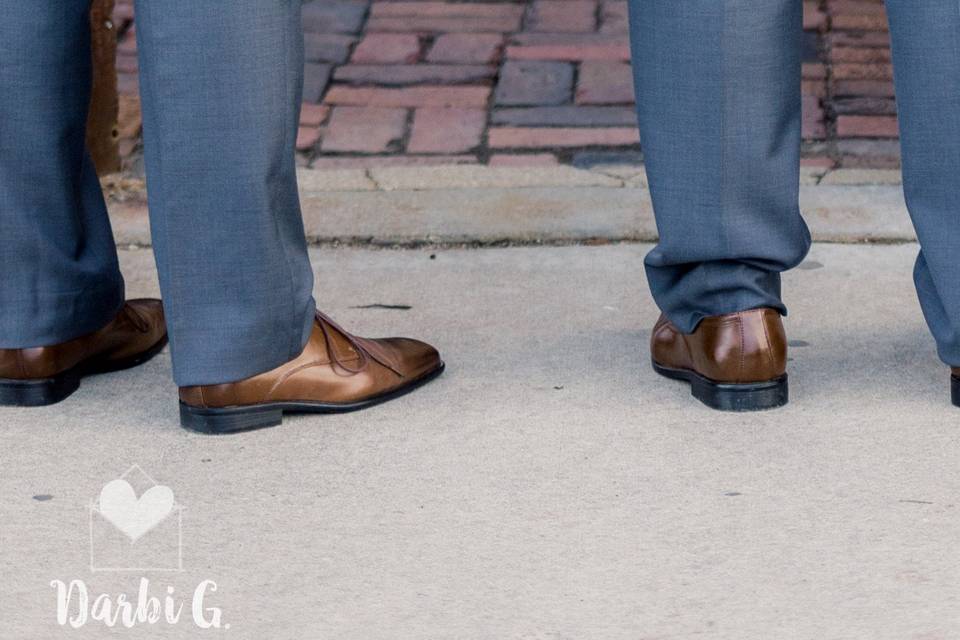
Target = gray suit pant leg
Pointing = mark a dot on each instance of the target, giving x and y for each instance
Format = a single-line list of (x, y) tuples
[(926, 55), (59, 277), (718, 100), (221, 85)]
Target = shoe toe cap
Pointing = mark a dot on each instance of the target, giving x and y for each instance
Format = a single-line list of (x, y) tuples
[(414, 358)]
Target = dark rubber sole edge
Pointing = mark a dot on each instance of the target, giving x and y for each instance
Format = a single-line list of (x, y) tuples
[(955, 390), (47, 391), (246, 418), (754, 396)]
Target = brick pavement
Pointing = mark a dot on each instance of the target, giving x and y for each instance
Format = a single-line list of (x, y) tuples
[(514, 82)]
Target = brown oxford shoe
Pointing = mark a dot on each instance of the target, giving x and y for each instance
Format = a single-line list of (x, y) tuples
[(45, 375), (733, 362), (955, 385), (337, 372)]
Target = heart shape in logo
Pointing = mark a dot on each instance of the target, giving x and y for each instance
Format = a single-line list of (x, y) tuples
[(134, 516)]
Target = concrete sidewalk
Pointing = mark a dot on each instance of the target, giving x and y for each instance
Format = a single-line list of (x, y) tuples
[(549, 485), (487, 205)]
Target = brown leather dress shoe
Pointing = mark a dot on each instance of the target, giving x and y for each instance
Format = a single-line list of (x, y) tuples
[(955, 385), (733, 362), (337, 372), (44, 375)]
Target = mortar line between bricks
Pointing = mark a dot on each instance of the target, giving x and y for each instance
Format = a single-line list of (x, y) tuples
[(829, 110), (483, 151), (404, 142)]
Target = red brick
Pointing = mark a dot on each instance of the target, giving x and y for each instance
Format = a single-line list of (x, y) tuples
[(446, 130), (605, 83), (569, 52), (813, 18), (862, 55), (859, 39), (307, 138), (532, 138), (859, 22), (126, 63), (614, 17), (466, 48), (856, 9), (871, 88), (385, 48), (426, 24), (566, 116), (813, 127), (534, 83), (128, 44), (391, 8), (445, 17), (814, 88), (122, 12), (403, 74), (313, 115), (865, 105), (523, 160), (420, 96), (544, 46), (849, 71), (860, 7), (821, 162), (867, 127), (364, 129), (558, 16), (814, 71)]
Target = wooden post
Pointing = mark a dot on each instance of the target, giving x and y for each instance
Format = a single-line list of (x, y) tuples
[(104, 103)]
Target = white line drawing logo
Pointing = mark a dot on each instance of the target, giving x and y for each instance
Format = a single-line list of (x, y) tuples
[(134, 516), (131, 533)]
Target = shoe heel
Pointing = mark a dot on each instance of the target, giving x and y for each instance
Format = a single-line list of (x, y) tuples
[(37, 393), (218, 421), (742, 397), (955, 390)]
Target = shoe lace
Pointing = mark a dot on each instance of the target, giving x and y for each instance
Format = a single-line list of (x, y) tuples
[(323, 320)]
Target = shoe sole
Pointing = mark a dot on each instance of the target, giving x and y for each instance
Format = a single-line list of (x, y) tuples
[(955, 390), (246, 418), (753, 396), (46, 391)]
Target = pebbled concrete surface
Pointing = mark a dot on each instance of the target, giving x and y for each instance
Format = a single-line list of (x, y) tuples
[(549, 485)]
